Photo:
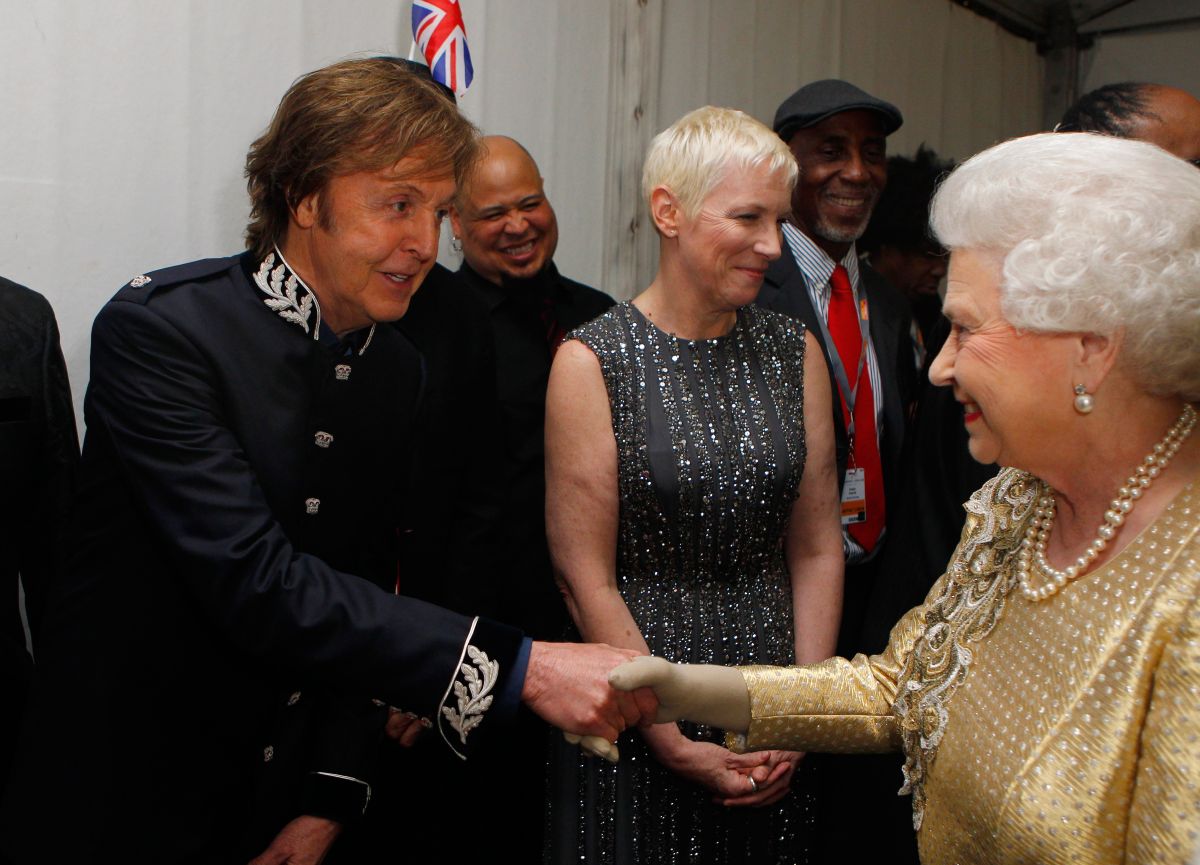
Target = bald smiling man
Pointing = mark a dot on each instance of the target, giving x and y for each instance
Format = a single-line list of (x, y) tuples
[(509, 234)]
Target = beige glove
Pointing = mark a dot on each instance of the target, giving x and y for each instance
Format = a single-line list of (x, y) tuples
[(703, 693), (594, 746)]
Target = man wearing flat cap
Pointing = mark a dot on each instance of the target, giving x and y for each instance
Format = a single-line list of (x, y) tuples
[(838, 134)]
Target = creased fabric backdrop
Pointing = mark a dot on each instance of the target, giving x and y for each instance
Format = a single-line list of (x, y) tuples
[(124, 123)]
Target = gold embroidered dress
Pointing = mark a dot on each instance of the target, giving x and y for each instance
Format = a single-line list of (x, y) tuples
[(1061, 731)]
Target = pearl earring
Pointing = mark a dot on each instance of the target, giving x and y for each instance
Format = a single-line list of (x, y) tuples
[(1083, 400), (456, 244)]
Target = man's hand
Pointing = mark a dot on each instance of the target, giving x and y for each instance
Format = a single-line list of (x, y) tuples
[(304, 841), (404, 728), (566, 685)]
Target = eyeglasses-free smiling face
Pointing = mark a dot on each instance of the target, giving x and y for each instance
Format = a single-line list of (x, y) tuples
[(726, 246), (507, 226), (1014, 386), (843, 168), (367, 240)]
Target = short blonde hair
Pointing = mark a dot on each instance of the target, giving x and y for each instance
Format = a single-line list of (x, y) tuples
[(1094, 234), (691, 155)]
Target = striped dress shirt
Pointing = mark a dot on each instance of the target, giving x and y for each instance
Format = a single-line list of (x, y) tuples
[(817, 267)]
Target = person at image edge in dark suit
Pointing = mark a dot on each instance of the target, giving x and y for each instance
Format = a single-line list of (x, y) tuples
[(838, 134), (227, 608), (39, 455)]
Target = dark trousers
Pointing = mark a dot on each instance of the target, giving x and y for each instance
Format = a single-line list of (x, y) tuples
[(497, 799)]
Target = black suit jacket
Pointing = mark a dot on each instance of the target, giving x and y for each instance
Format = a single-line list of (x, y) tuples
[(783, 290), (523, 358), (240, 494), (39, 454), (937, 478), (451, 550), (849, 780)]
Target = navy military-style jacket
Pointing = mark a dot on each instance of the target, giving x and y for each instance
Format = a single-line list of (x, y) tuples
[(231, 561)]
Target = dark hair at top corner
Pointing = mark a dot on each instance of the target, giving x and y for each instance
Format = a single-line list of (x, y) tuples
[(1108, 110), (356, 115), (422, 71), (901, 216)]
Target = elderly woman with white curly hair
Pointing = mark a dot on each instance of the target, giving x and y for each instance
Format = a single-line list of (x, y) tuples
[(1046, 694)]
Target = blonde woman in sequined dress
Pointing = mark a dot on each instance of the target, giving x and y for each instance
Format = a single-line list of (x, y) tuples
[(691, 505), (1047, 693)]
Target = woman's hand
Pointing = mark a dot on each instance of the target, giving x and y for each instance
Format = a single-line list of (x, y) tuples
[(756, 779), (773, 778)]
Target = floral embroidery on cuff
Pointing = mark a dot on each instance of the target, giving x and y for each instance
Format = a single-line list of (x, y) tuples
[(474, 697)]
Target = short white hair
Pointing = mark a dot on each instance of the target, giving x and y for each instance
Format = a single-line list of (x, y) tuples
[(691, 155), (1093, 234)]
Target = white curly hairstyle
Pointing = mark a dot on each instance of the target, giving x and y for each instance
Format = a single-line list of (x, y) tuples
[(691, 155), (1094, 233)]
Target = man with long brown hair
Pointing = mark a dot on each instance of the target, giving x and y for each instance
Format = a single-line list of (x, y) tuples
[(228, 598)]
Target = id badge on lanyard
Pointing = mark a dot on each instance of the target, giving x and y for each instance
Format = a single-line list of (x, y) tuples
[(854, 497)]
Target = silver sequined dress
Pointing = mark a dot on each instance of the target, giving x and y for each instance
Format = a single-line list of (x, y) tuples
[(710, 449)]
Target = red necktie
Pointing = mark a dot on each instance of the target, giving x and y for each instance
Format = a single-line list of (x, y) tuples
[(847, 337)]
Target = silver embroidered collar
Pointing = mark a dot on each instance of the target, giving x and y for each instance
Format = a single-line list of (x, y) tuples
[(287, 294), (291, 298)]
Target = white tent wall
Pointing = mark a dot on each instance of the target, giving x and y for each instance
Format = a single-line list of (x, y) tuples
[(541, 76), (125, 128), (126, 122), (962, 82), (1164, 55)]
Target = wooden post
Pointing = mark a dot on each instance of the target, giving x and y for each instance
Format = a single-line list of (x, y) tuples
[(630, 243)]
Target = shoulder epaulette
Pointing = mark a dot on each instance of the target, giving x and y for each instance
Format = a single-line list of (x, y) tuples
[(142, 286)]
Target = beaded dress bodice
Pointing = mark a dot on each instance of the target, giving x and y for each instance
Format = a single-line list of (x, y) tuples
[(710, 449)]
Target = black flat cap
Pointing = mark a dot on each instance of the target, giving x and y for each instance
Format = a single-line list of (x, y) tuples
[(813, 102)]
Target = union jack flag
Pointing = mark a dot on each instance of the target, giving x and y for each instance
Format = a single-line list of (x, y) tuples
[(439, 32)]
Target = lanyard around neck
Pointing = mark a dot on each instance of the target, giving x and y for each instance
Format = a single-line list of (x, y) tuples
[(849, 394)]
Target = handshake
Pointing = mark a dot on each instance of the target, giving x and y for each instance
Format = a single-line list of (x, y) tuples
[(595, 692)]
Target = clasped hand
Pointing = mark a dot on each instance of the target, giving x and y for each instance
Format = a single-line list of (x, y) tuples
[(737, 780), (706, 694), (567, 685)]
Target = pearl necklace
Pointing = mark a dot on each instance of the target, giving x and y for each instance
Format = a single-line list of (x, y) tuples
[(1032, 556)]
